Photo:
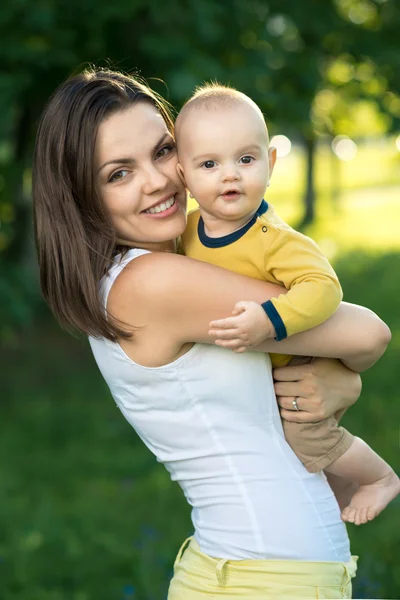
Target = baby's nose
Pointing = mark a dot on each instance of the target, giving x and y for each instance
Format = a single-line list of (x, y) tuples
[(230, 174)]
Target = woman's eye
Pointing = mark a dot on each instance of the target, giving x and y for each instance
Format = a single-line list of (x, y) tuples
[(208, 164), (165, 150), (246, 160), (118, 175)]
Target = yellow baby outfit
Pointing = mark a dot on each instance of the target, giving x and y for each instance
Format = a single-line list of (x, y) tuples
[(267, 248)]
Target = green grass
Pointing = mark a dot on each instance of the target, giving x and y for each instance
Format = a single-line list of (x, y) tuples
[(85, 511), (373, 281)]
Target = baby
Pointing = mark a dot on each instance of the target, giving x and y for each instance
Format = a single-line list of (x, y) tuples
[(226, 163)]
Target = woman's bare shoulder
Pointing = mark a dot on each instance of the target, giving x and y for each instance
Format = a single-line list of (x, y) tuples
[(140, 279), (153, 273), (149, 285)]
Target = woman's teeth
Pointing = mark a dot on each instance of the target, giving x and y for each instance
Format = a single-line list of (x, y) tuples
[(161, 207)]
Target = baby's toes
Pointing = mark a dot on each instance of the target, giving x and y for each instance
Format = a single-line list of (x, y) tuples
[(361, 513), (364, 515), (348, 514), (352, 515)]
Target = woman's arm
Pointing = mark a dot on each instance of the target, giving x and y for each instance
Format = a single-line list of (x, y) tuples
[(322, 388), (177, 297)]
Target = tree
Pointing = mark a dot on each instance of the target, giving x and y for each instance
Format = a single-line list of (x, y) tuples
[(280, 53)]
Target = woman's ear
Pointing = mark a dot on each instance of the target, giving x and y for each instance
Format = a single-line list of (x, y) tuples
[(181, 174)]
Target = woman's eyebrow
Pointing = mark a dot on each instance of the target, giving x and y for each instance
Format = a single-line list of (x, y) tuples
[(130, 160), (119, 161)]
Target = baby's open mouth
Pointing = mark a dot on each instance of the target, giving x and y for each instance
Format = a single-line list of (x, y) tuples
[(231, 193)]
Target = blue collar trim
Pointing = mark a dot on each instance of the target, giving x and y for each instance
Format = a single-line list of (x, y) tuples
[(225, 240)]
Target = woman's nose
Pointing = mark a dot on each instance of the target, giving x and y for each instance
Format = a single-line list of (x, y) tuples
[(154, 180)]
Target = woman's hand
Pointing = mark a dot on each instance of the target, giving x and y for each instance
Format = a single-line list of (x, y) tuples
[(322, 388)]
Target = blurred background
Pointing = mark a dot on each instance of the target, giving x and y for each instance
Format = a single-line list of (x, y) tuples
[(85, 511)]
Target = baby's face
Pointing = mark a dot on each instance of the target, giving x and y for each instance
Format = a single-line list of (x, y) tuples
[(225, 159)]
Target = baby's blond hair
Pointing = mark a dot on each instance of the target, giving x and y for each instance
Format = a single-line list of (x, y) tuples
[(214, 96)]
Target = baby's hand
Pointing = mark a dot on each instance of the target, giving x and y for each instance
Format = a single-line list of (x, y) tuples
[(249, 327)]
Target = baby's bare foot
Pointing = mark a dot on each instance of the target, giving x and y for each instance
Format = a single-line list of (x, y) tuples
[(370, 500)]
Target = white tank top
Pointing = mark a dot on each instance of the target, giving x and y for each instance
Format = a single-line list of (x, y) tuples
[(211, 418)]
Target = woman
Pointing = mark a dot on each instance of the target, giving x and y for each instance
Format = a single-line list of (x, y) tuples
[(109, 206)]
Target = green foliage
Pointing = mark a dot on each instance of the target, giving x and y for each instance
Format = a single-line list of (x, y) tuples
[(287, 61), (85, 510)]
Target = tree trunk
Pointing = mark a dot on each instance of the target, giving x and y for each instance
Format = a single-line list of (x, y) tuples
[(336, 187), (309, 196)]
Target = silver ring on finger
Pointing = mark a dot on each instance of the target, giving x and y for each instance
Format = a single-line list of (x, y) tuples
[(294, 402)]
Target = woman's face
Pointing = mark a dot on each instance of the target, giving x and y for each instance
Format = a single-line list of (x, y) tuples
[(137, 179)]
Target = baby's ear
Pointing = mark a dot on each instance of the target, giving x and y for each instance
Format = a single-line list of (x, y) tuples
[(272, 159), (181, 174)]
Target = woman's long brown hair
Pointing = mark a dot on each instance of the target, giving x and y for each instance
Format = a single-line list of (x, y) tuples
[(75, 239)]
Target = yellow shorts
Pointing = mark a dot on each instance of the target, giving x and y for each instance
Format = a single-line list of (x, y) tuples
[(200, 577)]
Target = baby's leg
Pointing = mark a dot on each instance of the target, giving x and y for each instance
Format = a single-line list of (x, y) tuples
[(378, 483), (344, 489)]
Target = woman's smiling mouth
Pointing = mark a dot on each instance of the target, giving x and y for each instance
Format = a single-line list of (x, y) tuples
[(163, 209)]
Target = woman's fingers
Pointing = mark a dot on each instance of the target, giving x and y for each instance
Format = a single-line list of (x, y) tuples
[(286, 402), (289, 388), (298, 416), (289, 373), (309, 411), (289, 413), (322, 388)]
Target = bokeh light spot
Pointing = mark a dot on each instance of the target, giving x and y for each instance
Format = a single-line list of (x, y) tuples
[(344, 147), (276, 25), (282, 144)]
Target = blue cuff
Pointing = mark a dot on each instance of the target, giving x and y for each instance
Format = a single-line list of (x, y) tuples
[(275, 319)]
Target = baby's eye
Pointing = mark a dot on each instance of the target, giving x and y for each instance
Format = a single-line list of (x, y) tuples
[(246, 160), (208, 164), (118, 175)]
